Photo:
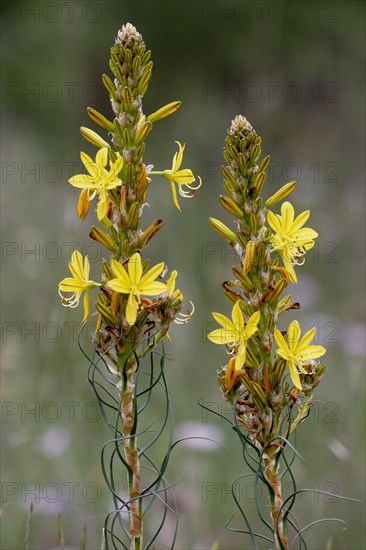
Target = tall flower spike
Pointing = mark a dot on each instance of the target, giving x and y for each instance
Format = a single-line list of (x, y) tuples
[(260, 396), (135, 308)]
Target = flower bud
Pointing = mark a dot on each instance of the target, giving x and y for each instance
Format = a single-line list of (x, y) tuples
[(281, 194), (264, 164), (259, 181), (144, 80), (231, 206), (83, 204), (165, 111), (115, 303), (99, 119), (249, 256), (143, 132), (149, 233), (134, 216), (109, 85), (98, 235), (222, 230), (93, 137)]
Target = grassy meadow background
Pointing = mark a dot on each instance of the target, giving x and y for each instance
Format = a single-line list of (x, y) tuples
[(295, 70)]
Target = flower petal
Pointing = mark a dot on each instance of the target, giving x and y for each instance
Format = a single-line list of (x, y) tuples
[(90, 165), (240, 358), (102, 207), (152, 274), (86, 270), (293, 335), (274, 221), (135, 268), (304, 235), (290, 269), (294, 375), (238, 319), (178, 157), (82, 181), (288, 213), (119, 285), (312, 352), (305, 341), (222, 336), (281, 342), (152, 289), (174, 194), (76, 265), (101, 158), (121, 273), (224, 321), (184, 177), (170, 284), (117, 166), (252, 325), (111, 183), (131, 309), (72, 285), (86, 306), (300, 220)]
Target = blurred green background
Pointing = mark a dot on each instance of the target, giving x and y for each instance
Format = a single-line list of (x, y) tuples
[(295, 70)]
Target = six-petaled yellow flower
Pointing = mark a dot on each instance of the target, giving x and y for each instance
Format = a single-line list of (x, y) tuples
[(133, 283), (291, 240), (99, 180), (78, 283), (297, 352), (183, 178), (236, 332)]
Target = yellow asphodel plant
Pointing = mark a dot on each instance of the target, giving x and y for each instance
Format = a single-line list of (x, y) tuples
[(270, 247), (136, 303)]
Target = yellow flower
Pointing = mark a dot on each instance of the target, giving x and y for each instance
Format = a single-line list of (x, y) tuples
[(235, 332), (99, 180), (78, 283), (133, 283), (171, 286), (291, 240), (296, 351), (183, 178)]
